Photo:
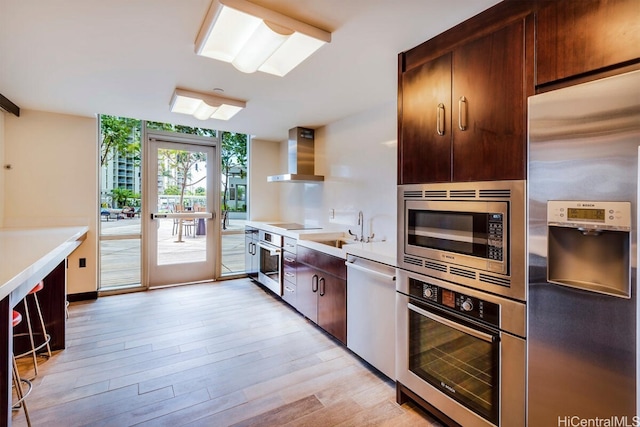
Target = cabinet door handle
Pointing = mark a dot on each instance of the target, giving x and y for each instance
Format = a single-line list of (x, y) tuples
[(322, 287), (288, 259), (462, 113), (314, 283), (440, 119)]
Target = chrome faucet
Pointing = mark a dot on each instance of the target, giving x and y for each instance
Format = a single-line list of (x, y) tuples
[(361, 224)]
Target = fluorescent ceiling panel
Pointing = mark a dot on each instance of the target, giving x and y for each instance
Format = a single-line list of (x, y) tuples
[(204, 106), (254, 38)]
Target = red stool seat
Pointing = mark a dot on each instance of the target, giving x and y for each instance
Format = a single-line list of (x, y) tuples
[(45, 337), (37, 287), (17, 318)]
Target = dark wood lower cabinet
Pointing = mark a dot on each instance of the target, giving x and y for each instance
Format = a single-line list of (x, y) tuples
[(322, 291), (307, 299), (332, 306)]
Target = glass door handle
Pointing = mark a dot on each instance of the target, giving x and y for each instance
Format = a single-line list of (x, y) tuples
[(182, 215)]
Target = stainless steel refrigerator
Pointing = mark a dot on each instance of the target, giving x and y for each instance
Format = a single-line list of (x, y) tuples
[(582, 301)]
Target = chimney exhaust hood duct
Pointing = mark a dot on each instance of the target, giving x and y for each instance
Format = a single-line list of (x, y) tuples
[(300, 158)]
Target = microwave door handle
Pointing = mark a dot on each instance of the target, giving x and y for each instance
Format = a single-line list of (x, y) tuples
[(453, 325)]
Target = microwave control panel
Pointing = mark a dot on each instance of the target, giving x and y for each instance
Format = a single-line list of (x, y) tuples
[(589, 214), (445, 298), (496, 233)]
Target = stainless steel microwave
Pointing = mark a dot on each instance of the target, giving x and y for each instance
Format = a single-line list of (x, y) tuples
[(471, 233)]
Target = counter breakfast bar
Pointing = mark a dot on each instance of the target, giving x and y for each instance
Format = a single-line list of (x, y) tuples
[(28, 255)]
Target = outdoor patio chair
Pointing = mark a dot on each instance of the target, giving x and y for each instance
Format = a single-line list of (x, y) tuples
[(188, 226)]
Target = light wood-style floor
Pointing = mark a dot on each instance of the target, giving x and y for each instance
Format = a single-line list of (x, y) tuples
[(216, 354)]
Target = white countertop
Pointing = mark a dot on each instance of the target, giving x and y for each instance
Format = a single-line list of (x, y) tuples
[(29, 254), (384, 252)]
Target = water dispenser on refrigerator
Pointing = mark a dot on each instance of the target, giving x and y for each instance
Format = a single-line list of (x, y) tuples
[(589, 246)]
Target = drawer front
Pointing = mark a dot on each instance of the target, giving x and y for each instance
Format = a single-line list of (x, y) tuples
[(289, 267), (289, 293), (290, 245)]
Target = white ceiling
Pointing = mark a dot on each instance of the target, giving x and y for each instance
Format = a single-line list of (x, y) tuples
[(125, 57)]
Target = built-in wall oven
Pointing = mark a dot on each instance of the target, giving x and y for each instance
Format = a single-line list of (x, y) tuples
[(471, 233), (270, 261), (460, 352)]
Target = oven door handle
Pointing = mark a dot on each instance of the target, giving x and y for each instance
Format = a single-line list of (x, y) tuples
[(453, 325), (272, 250)]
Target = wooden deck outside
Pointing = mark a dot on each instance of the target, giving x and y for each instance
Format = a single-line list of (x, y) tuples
[(120, 259)]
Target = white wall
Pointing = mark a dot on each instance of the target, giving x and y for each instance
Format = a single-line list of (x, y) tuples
[(264, 197), (53, 181), (357, 156)]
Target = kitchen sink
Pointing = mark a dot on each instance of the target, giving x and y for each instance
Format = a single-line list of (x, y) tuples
[(336, 243)]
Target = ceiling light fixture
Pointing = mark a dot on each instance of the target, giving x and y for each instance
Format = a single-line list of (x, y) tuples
[(205, 106), (254, 38)]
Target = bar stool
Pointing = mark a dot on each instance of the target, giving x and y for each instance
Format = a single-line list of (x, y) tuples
[(17, 381), (45, 336)]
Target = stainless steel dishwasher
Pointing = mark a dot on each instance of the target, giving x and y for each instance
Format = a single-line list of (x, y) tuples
[(371, 312)]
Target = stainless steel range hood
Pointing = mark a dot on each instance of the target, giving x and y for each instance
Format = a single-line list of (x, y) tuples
[(300, 159)]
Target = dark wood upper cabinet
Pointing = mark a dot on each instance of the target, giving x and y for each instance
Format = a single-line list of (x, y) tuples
[(481, 73), (575, 38), (425, 154), (462, 115), (489, 107)]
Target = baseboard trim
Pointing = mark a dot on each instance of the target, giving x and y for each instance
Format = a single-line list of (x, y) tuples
[(83, 296)]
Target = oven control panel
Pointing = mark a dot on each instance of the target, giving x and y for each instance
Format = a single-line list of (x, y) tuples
[(445, 298)]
